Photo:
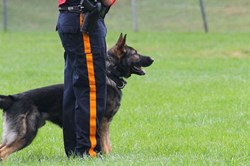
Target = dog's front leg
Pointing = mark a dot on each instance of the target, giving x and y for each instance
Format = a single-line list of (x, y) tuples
[(105, 140)]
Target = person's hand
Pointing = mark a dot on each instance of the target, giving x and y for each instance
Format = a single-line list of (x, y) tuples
[(108, 2)]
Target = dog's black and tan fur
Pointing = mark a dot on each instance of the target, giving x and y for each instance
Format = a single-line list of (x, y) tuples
[(25, 113)]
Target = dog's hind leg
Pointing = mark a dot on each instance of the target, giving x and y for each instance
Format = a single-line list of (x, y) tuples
[(6, 150), (11, 134), (1, 146), (19, 131)]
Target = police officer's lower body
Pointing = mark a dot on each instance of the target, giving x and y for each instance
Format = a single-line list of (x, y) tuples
[(84, 84)]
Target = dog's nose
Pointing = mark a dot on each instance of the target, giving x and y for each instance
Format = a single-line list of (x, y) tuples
[(146, 61), (152, 60)]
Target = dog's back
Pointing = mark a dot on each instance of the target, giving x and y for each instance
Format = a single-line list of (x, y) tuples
[(48, 101), (25, 113)]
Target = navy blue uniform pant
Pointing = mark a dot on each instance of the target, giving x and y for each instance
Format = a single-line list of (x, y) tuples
[(84, 84)]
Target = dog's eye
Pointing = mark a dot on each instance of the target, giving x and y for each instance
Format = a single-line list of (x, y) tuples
[(124, 50)]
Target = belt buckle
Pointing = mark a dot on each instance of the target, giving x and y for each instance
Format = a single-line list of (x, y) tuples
[(80, 7), (70, 8)]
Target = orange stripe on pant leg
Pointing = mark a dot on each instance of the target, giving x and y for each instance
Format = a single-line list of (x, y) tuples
[(92, 95)]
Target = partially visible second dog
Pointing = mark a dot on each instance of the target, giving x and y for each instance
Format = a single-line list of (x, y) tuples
[(25, 113)]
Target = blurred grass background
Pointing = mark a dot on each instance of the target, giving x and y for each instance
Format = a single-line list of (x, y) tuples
[(160, 15), (192, 107)]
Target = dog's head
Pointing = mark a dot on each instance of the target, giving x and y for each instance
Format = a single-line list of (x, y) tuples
[(125, 60)]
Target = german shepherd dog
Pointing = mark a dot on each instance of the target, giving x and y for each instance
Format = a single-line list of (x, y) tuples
[(25, 113)]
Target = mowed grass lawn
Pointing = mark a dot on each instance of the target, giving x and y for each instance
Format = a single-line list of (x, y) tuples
[(192, 107)]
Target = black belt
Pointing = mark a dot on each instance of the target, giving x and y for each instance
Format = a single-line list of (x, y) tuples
[(76, 9), (79, 9)]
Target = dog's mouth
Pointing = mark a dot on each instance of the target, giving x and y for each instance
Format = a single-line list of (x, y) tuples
[(138, 70), (145, 62)]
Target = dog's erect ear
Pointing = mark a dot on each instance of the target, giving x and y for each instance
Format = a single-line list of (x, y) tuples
[(6, 101), (121, 41), (124, 38)]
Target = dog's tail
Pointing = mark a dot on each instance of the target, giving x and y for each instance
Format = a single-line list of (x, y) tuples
[(5, 102)]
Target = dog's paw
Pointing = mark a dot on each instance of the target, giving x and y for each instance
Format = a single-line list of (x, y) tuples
[(4, 152), (106, 149)]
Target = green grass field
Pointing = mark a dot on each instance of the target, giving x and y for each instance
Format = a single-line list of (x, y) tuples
[(192, 107), (163, 15)]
